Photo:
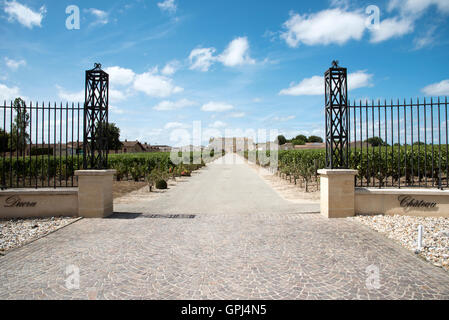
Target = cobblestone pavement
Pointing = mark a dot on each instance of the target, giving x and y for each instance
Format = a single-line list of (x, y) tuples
[(225, 234)]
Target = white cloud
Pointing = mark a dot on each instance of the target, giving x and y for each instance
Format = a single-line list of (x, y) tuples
[(409, 12), (359, 79), (175, 125), (307, 87), (217, 107), (102, 16), (168, 5), (237, 53), (116, 95), (170, 68), (70, 96), (437, 89), (14, 64), (155, 85), (174, 105), (417, 7), (180, 137), (272, 36), (284, 119), (315, 85), (218, 125), (339, 25), (425, 40), (391, 28), (125, 82), (325, 27), (202, 59), (237, 115), (340, 3), (114, 109), (7, 93), (120, 76), (153, 132), (24, 15)]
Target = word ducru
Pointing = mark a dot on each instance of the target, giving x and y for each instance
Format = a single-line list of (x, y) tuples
[(16, 202)]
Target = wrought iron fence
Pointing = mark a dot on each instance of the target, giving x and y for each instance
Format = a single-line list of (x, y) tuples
[(400, 143), (40, 144)]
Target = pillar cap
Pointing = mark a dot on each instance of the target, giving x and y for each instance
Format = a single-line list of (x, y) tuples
[(330, 172), (95, 172)]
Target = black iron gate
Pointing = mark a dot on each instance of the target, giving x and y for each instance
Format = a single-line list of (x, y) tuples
[(43, 144), (391, 144)]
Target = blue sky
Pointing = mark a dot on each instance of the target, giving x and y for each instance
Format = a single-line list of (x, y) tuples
[(233, 65)]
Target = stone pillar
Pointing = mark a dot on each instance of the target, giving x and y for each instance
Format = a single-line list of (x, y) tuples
[(95, 193), (337, 192)]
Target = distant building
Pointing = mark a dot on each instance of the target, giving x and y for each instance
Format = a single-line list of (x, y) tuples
[(287, 146), (231, 145), (161, 148), (132, 147), (71, 148), (267, 146), (74, 148), (138, 147), (190, 148), (149, 148)]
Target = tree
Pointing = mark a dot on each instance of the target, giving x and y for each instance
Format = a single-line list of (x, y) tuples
[(375, 142), (19, 135), (299, 142), (282, 140), (4, 140), (114, 137), (315, 139), (113, 134), (301, 137)]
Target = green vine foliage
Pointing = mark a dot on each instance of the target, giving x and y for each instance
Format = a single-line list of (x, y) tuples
[(376, 165), (46, 170)]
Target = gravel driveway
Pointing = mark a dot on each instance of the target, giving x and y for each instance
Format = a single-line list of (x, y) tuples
[(224, 234)]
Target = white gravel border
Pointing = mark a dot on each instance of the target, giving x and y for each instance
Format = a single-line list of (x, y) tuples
[(404, 230), (15, 233)]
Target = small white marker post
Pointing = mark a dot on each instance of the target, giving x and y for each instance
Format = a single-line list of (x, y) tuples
[(420, 233)]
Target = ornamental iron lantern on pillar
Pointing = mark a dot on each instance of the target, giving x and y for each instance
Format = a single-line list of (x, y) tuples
[(96, 106), (336, 92)]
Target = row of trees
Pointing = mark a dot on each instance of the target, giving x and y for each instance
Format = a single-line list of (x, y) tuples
[(299, 140), (302, 140), (379, 142), (18, 139)]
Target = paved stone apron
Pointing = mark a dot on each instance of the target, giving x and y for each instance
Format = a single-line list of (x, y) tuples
[(234, 238)]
